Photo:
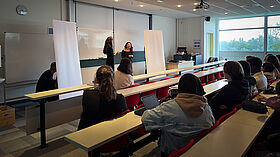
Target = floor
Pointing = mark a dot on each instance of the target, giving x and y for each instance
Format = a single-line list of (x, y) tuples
[(15, 143)]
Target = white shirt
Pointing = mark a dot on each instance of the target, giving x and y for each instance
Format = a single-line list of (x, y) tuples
[(123, 80), (261, 81)]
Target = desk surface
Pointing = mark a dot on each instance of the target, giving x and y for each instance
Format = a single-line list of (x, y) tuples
[(45, 94), (97, 135), (145, 76), (233, 137)]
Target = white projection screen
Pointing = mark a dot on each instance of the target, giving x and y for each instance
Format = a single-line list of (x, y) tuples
[(95, 24)]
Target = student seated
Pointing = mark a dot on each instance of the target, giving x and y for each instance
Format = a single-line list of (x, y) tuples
[(103, 101), (268, 71), (256, 65), (247, 76), (274, 60), (48, 81), (232, 94), (180, 119), (123, 76)]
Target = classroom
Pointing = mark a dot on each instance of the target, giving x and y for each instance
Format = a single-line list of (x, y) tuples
[(152, 78)]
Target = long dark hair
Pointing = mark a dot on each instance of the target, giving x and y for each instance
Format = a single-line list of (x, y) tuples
[(246, 67), (104, 76), (234, 70), (131, 47), (274, 60), (125, 66), (189, 83), (108, 46)]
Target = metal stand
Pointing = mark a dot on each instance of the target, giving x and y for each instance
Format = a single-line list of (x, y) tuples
[(42, 124)]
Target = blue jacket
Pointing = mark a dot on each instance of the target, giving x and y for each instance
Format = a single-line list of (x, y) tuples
[(180, 120)]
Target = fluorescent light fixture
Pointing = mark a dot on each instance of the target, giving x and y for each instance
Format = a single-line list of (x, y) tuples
[(272, 6), (226, 13), (195, 3), (160, 1), (194, 10), (116, 0), (179, 5), (141, 5)]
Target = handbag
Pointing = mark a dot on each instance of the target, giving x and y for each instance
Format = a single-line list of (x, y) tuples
[(254, 106)]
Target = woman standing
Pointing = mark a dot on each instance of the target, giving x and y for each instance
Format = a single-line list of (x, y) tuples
[(108, 50), (127, 52)]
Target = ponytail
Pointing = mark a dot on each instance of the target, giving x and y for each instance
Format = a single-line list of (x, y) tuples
[(106, 87)]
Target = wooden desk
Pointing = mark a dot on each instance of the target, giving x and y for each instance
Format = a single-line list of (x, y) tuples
[(40, 96), (102, 133), (233, 137), (145, 76)]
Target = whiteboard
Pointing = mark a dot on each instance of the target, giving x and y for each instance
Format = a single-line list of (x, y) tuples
[(27, 56)]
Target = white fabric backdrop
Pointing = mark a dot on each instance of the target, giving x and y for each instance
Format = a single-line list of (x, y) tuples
[(67, 56), (154, 51)]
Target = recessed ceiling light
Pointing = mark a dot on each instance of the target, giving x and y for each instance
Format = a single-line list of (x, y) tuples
[(226, 13), (116, 0), (194, 10), (195, 3), (141, 5), (159, 0), (272, 6), (179, 5)]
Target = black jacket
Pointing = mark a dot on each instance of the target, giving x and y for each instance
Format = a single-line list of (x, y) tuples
[(46, 83), (230, 95), (96, 109), (125, 54)]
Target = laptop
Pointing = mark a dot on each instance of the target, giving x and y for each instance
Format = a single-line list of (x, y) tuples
[(150, 102)]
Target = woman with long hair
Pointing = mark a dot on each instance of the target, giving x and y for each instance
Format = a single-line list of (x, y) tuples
[(103, 101), (108, 50), (123, 76), (127, 52)]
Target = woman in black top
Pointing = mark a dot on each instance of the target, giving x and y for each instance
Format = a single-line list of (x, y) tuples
[(232, 94), (103, 101), (108, 50), (127, 51)]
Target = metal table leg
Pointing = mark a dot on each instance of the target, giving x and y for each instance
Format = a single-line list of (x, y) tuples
[(42, 124)]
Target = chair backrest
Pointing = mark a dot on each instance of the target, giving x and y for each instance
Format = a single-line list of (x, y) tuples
[(132, 100), (177, 76), (211, 77), (179, 152), (212, 81), (224, 117), (205, 132), (163, 92), (239, 106), (150, 92), (271, 82)]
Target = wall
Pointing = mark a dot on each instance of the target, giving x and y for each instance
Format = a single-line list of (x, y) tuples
[(210, 27), (188, 30), (39, 18), (168, 27)]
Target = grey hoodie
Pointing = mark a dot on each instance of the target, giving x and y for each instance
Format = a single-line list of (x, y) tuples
[(180, 120)]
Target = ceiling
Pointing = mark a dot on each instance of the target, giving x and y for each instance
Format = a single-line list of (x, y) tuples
[(218, 8)]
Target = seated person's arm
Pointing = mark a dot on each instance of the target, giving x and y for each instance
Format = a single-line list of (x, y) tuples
[(155, 118)]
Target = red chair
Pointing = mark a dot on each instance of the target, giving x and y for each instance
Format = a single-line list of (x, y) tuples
[(132, 100), (203, 84), (163, 92), (212, 81), (181, 151), (271, 82), (239, 106), (203, 79), (222, 74), (118, 143), (197, 71), (211, 77), (224, 117), (176, 76), (150, 92), (218, 75), (202, 134)]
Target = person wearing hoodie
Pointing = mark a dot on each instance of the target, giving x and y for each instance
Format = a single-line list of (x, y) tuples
[(180, 119), (248, 76), (236, 91)]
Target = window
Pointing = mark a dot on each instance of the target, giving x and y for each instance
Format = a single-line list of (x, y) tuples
[(273, 33), (246, 34)]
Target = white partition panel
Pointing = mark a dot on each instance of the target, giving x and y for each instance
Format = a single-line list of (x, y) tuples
[(67, 56), (154, 51)]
